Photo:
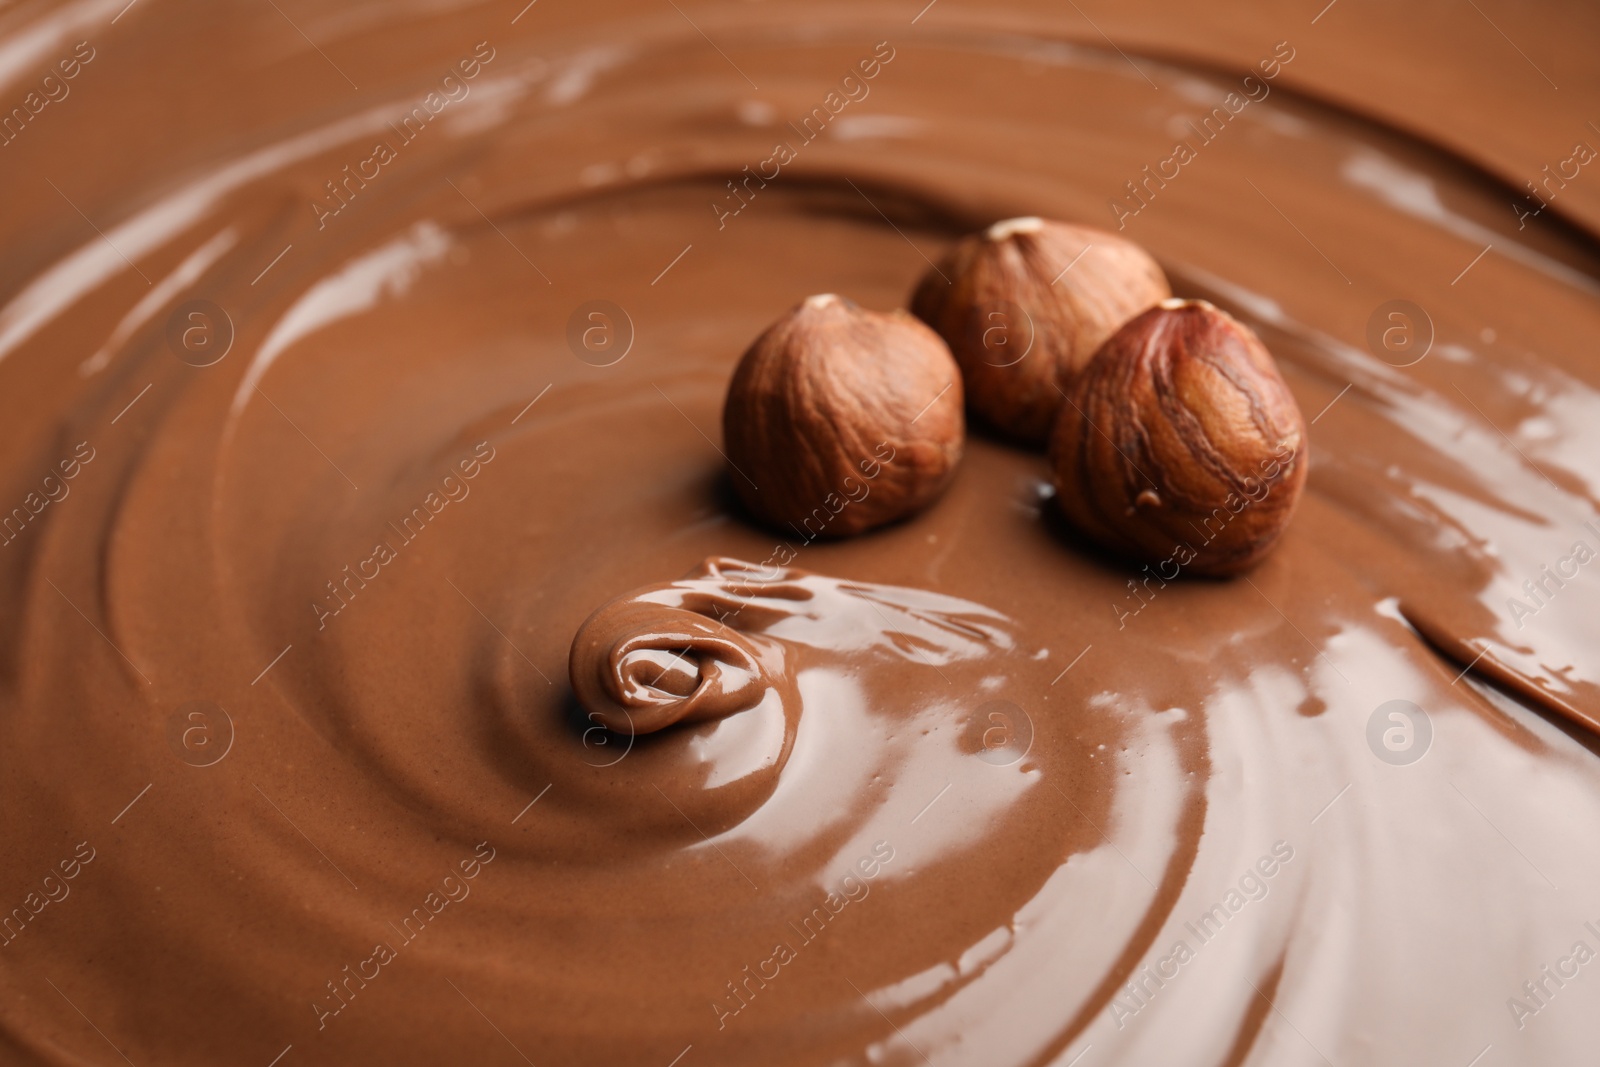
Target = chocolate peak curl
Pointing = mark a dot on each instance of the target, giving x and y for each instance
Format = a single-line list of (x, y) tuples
[(648, 660), (731, 635)]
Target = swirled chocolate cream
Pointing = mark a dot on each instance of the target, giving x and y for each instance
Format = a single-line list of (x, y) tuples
[(395, 670)]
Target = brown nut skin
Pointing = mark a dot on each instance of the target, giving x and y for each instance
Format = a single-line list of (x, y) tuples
[(1181, 445), (1020, 328), (840, 419)]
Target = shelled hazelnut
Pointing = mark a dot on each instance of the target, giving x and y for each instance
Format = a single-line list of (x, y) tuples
[(1181, 442), (1024, 305), (840, 419)]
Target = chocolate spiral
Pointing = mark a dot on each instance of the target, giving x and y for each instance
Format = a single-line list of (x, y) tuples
[(639, 664)]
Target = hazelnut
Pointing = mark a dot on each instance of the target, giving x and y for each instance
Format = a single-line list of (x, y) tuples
[(1180, 444), (840, 419), (1024, 305)]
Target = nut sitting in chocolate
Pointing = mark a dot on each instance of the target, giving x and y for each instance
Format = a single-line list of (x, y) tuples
[(1025, 304), (1181, 443), (840, 419)]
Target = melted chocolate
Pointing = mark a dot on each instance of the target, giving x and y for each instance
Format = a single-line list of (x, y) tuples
[(337, 411)]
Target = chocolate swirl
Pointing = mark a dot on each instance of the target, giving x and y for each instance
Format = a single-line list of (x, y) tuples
[(703, 647), (659, 656)]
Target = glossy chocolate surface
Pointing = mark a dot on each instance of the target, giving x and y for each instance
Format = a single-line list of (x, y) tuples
[(340, 383)]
